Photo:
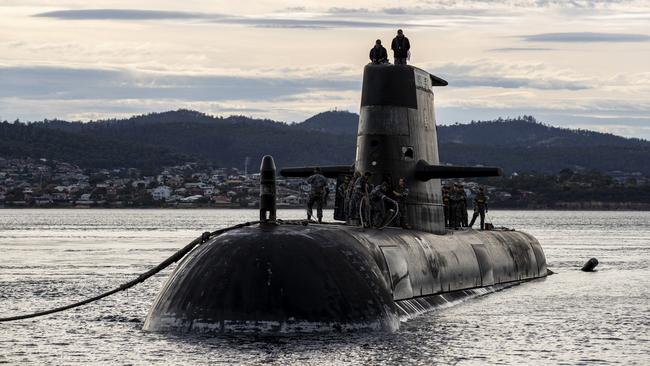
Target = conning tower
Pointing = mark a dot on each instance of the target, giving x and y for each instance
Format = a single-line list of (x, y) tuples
[(397, 128), (397, 138)]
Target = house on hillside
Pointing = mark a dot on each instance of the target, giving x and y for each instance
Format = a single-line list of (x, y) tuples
[(161, 193), (191, 199)]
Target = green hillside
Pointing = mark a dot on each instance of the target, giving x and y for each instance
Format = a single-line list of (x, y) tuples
[(158, 139)]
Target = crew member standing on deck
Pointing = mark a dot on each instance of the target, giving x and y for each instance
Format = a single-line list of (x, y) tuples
[(401, 193), (349, 196), (318, 184), (341, 199), (378, 54), (463, 210), (456, 208), (378, 198), (480, 208), (360, 201), (446, 194), (400, 47)]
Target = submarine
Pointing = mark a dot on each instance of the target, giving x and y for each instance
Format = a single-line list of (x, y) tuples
[(300, 276)]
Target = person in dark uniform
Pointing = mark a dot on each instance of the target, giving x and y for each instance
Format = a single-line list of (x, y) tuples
[(317, 195), (480, 208), (340, 200), (463, 210), (360, 192), (349, 197), (400, 47), (456, 207), (446, 194), (401, 192), (378, 54), (378, 198)]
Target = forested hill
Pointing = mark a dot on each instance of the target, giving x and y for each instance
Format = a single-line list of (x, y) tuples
[(177, 136), (159, 139), (523, 144), (527, 132)]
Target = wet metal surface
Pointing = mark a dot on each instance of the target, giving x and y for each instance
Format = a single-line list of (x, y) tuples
[(286, 276)]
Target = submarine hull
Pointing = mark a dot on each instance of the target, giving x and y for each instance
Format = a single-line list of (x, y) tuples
[(297, 278)]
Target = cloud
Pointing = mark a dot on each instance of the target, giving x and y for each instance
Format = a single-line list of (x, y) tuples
[(45, 82), (339, 10), (258, 21), (309, 23), (396, 11), (498, 74), (520, 49), (462, 81), (420, 11), (121, 14), (297, 9), (444, 11), (586, 37), (585, 4), (580, 4), (38, 92)]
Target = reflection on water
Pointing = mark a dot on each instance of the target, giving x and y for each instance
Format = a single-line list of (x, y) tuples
[(53, 257)]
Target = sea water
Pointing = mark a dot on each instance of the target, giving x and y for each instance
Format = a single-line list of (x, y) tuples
[(53, 257)]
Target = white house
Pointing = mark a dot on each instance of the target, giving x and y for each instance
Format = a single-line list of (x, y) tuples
[(191, 198), (208, 191), (161, 193)]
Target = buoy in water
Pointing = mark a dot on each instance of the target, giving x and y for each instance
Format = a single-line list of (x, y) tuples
[(590, 265)]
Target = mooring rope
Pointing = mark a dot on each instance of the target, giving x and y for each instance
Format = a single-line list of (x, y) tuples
[(141, 278), (395, 214)]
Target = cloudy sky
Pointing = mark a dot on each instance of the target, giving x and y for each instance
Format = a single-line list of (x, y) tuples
[(579, 64)]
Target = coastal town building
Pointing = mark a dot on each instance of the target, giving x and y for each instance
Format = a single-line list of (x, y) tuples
[(48, 183)]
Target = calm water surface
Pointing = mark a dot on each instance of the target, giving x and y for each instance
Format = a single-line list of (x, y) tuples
[(53, 257)]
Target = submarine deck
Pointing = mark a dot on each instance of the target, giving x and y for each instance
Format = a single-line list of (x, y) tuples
[(412, 262)]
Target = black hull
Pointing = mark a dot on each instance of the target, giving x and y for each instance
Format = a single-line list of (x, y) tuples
[(334, 277)]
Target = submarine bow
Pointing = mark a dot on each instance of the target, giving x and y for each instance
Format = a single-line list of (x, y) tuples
[(276, 277)]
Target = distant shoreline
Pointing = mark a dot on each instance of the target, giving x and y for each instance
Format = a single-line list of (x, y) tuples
[(638, 207)]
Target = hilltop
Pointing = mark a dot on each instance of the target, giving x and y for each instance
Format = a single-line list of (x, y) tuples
[(339, 122), (157, 139)]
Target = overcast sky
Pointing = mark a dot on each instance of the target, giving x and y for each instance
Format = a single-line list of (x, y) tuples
[(579, 64)]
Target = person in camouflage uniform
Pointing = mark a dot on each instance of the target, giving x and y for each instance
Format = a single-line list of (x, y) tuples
[(401, 193), (340, 200), (480, 208), (360, 191), (446, 194), (378, 198), (349, 192), (317, 194), (463, 206), (456, 207)]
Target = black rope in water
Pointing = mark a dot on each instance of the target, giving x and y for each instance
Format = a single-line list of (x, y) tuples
[(141, 278)]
